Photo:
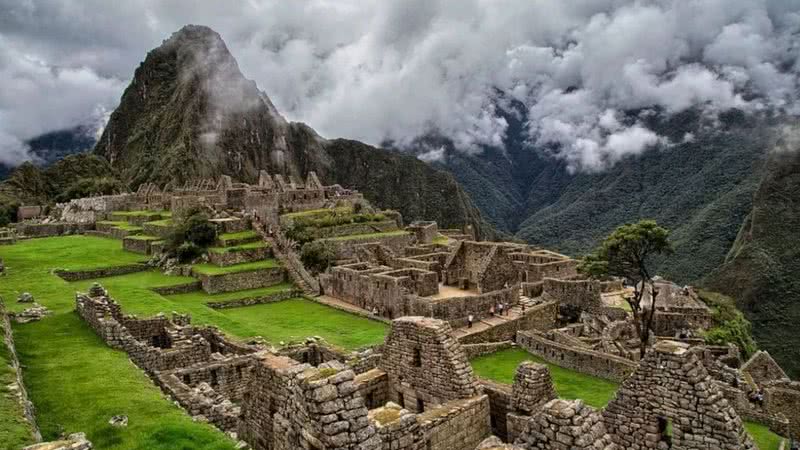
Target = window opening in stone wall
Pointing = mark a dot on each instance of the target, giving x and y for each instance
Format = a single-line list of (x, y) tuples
[(665, 431), (401, 400), (187, 379), (417, 358), (420, 405), (214, 380)]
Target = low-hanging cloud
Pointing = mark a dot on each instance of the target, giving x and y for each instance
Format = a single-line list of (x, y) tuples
[(399, 69)]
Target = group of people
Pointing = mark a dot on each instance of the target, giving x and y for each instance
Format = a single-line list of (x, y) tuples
[(500, 309)]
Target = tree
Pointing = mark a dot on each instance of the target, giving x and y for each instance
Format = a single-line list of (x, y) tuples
[(627, 253), (192, 235), (317, 256)]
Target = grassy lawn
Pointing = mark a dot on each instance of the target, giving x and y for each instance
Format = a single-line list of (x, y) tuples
[(247, 234), (569, 384), (202, 297), (368, 235), (15, 432), (144, 237), (128, 227), (77, 383), (238, 248), (296, 319), (765, 439), (160, 223), (211, 269), (319, 212)]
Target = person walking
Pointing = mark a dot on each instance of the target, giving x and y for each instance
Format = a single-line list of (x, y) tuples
[(469, 321), (491, 311), (499, 309)]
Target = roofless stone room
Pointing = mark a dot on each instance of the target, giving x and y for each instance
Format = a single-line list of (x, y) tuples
[(394, 225)]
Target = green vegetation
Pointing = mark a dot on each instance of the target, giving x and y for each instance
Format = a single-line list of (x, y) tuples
[(317, 256), (200, 297), (369, 235), (78, 383), (501, 367), (15, 431), (305, 228), (764, 438), (67, 366), (87, 187), (113, 223), (161, 223), (296, 319), (730, 325), (143, 237), (128, 227), (192, 234), (239, 248), (247, 234), (314, 213), (628, 253), (211, 269)]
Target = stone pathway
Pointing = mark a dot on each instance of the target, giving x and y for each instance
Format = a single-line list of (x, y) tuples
[(488, 322)]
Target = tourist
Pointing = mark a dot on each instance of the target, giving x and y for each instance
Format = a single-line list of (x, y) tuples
[(506, 308), (469, 321), (374, 310), (491, 311), (499, 309)]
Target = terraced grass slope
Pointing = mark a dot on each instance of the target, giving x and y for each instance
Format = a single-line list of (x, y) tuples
[(569, 384), (77, 383)]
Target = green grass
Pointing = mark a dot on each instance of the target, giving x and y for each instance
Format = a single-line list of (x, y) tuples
[(202, 297), (441, 239), (128, 227), (247, 234), (115, 223), (142, 213), (764, 438), (77, 383), (160, 223), (501, 367), (15, 431), (238, 248), (143, 237), (368, 235), (211, 269), (296, 319)]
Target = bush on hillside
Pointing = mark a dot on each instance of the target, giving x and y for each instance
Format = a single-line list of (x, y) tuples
[(730, 325), (87, 187), (193, 234), (317, 256)]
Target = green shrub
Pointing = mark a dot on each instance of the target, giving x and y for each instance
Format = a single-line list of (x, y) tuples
[(730, 325), (87, 187), (318, 256), (192, 235)]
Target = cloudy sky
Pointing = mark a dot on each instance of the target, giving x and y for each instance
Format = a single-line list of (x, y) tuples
[(398, 69)]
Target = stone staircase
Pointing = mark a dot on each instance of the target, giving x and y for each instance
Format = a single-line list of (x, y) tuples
[(283, 251)]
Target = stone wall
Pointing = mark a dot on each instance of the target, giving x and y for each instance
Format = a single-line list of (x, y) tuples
[(257, 300), (586, 361), (240, 281), (458, 424), (500, 399), (565, 424), (581, 294), (426, 365), (18, 387), (78, 275), (346, 248), (476, 350), (671, 389), (230, 258), (31, 229), (539, 317)]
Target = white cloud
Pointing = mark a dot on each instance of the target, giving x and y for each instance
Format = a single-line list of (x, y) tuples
[(380, 70)]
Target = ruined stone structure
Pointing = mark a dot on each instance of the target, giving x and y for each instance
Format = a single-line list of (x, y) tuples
[(671, 389)]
